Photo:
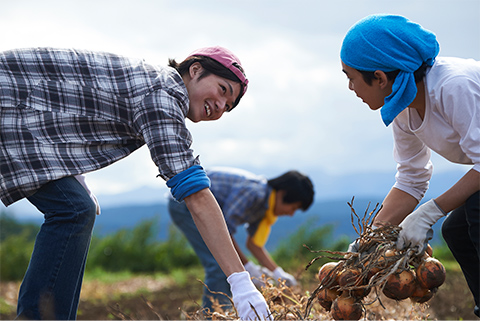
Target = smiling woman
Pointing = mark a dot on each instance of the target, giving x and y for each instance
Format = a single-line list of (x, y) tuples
[(213, 89), (65, 112)]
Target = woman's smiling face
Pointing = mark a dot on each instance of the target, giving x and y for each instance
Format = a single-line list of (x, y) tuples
[(210, 96)]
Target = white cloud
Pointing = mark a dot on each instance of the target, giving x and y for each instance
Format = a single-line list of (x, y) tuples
[(298, 111)]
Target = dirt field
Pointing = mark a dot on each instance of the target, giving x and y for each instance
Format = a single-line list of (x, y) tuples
[(145, 298)]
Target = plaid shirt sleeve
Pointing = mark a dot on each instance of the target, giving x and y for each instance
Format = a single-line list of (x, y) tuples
[(165, 132)]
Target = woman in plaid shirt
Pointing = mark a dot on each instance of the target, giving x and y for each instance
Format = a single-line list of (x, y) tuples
[(66, 112)]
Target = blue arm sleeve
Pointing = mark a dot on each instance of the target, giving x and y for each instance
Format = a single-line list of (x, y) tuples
[(188, 182)]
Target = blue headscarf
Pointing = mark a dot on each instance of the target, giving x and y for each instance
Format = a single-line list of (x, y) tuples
[(387, 43)]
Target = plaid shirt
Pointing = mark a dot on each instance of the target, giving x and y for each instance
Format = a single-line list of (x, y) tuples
[(242, 196), (65, 112)]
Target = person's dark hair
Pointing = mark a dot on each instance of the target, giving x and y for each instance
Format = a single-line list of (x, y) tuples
[(210, 66), (297, 187), (369, 76)]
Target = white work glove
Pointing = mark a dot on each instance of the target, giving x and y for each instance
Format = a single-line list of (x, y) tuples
[(417, 227), (255, 272), (81, 180), (267, 272), (353, 247), (279, 273), (245, 295)]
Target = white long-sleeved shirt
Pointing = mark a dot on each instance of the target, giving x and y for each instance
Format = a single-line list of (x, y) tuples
[(451, 125)]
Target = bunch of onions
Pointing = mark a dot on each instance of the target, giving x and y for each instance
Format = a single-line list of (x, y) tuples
[(343, 305)]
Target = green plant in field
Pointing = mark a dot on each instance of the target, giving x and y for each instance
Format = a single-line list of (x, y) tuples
[(138, 251), (15, 252), (10, 226), (5, 308)]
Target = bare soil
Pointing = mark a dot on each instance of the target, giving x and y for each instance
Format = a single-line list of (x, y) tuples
[(146, 298)]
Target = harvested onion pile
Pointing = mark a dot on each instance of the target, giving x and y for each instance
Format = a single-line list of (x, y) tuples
[(377, 268)]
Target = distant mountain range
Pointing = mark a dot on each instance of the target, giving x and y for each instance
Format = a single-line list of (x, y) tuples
[(124, 211), (334, 212)]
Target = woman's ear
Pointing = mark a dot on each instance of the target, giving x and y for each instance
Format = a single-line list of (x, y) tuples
[(195, 69), (381, 78)]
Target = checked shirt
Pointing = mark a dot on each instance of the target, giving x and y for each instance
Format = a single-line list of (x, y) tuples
[(66, 112), (243, 196)]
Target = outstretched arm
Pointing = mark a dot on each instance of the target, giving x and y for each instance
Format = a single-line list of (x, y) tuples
[(209, 220), (416, 226), (261, 254), (396, 206), (460, 192), (264, 258)]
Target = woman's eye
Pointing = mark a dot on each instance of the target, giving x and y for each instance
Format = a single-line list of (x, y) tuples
[(224, 89)]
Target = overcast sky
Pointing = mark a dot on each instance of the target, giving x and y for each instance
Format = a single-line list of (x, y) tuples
[(298, 111)]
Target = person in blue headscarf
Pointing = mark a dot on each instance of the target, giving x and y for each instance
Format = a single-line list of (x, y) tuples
[(432, 103)]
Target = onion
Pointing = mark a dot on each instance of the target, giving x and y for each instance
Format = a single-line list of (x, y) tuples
[(379, 264), (324, 271), (346, 307), (349, 276), (421, 294), (400, 286), (429, 250), (326, 297), (431, 273)]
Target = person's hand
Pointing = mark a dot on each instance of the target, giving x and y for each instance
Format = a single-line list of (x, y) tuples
[(417, 227), (279, 273), (255, 272), (353, 247), (245, 296), (267, 272)]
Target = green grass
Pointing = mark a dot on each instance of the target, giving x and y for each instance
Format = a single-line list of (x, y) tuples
[(6, 308), (98, 274)]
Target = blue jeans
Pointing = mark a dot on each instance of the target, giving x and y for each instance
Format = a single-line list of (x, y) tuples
[(461, 231), (215, 279), (51, 286)]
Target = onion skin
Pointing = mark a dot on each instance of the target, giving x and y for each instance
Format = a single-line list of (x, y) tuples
[(349, 276), (421, 294), (360, 293), (326, 297), (324, 271), (400, 286), (346, 307), (379, 264), (431, 273), (429, 250)]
